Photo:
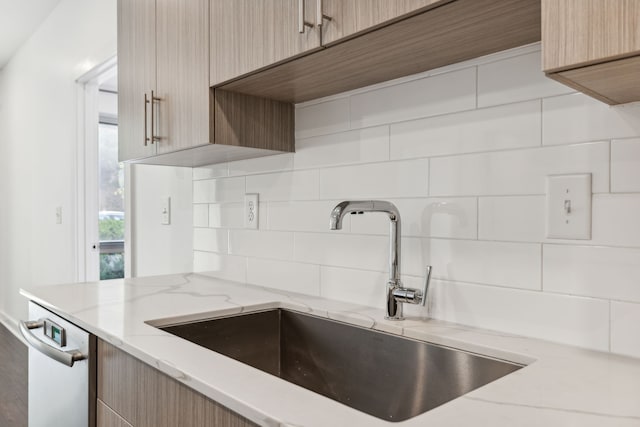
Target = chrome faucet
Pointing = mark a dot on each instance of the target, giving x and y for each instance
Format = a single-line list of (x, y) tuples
[(396, 294)]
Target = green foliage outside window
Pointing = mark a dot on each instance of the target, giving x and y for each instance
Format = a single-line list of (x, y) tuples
[(111, 229), (111, 266)]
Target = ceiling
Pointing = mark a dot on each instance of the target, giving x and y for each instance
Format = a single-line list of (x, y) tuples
[(18, 20)]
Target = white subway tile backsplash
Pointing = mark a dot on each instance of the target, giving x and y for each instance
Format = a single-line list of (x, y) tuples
[(625, 165), (392, 179), (226, 267), (288, 276), (219, 190), (435, 95), (454, 218), (201, 215), (343, 250), (571, 320), (515, 219), (616, 219), (515, 265), (319, 119), (464, 154), (487, 129), (595, 271), (263, 244), (210, 240), (625, 318), (302, 216), (356, 146), (226, 215), (276, 163), (518, 172), (280, 186), (580, 118), (211, 171), (349, 285), (515, 79)]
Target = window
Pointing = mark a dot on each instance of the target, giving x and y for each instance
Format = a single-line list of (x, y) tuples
[(110, 192)]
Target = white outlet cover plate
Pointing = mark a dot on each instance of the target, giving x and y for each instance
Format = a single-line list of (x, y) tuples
[(251, 211), (569, 206)]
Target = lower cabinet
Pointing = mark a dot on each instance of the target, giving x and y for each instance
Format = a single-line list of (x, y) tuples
[(108, 418), (133, 394)]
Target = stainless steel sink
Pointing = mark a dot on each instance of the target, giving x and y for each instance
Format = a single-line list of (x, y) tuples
[(387, 376)]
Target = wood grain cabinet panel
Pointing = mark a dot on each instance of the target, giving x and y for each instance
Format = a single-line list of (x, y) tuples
[(453, 31), (350, 18), (136, 74), (108, 418), (145, 397), (593, 46), (247, 35), (182, 39)]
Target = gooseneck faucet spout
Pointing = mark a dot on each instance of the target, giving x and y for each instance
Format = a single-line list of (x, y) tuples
[(396, 294), (358, 207)]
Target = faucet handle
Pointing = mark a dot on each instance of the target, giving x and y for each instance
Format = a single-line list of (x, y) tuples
[(427, 280)]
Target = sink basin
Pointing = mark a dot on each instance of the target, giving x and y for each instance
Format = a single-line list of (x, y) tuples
[(387, 376)]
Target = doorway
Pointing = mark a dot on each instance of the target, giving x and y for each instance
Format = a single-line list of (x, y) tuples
[(101, 178)]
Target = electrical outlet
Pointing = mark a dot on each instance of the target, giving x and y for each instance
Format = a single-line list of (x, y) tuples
[(165, 211), (251, 211)]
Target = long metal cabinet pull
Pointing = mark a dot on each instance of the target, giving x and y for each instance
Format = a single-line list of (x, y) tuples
[(146, 101), (65, 357), (301, 22), (154, 99), (320, 16)]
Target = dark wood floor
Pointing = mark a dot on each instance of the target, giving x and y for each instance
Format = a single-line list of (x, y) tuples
[(13, 380)]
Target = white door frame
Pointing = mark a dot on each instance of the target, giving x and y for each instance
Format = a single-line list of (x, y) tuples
[(87, 235)]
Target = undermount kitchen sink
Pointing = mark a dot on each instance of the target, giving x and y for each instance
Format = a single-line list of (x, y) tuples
[(387, 376)]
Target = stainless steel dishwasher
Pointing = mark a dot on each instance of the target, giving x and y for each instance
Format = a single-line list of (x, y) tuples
[(62, 371)]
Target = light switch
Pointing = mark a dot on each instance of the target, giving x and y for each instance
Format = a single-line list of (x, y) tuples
[(569, 206), (59, 215), (165, 210)]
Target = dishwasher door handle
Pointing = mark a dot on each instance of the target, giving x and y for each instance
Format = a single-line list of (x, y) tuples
[(65, 357)]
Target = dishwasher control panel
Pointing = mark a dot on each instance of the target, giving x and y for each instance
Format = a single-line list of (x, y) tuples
[(55, 332)]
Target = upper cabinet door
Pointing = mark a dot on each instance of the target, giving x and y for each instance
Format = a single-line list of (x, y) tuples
[(136, 76), (182, 108), (583, 32), (349, 17), (247, 35)]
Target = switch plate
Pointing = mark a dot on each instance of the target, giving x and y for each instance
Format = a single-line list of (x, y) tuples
[(569, 206), (165, 211), (251, 211)]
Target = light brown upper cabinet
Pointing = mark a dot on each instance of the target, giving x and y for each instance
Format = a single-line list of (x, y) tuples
[(387, 39), (182, 37), (163, 76), (247, 35), (594, 47), (136, 76), (342, 19)]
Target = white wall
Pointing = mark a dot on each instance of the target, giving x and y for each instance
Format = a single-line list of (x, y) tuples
[(39, 141), (463, 152), (38, 113), (157, 248)]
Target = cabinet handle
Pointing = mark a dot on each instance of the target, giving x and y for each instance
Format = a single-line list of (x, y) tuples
[(320, 16), (301, 22), (146, 101), (154, 138)]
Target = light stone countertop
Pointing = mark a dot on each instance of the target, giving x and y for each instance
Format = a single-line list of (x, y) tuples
[(561, 386)]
